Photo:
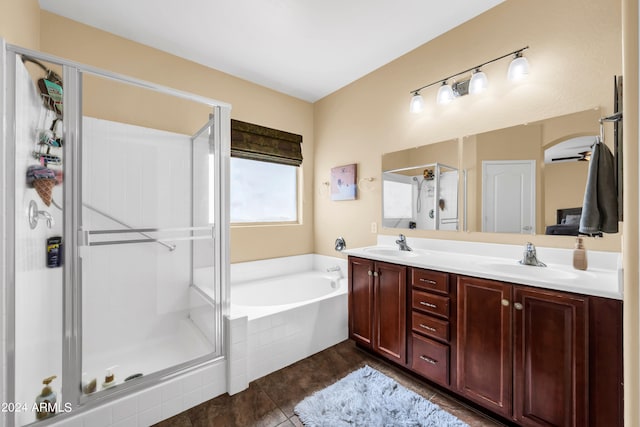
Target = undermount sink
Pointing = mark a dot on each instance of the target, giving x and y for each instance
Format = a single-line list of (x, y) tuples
[(515, 269), (391, 252)]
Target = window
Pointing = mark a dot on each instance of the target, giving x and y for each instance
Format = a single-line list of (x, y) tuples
[(263, 192)]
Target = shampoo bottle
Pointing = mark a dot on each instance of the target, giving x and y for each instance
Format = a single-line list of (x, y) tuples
[(579, 255), (109, 378), (46, 400)]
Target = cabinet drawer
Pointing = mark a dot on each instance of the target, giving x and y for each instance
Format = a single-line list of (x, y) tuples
[(431, 326), (430, 303), (434, 281), (430, 359)]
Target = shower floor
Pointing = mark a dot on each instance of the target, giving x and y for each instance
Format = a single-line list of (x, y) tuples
[(147, 357)]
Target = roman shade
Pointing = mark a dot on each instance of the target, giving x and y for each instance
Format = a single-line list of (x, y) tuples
[(255, 142)]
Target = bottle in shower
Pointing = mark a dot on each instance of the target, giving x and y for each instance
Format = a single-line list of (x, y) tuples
[(46, 400)]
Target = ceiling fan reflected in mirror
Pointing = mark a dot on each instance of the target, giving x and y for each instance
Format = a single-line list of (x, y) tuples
[(574, 149), (583, 156)]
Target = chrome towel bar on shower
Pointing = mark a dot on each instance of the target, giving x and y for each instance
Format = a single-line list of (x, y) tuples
[(89, 240)]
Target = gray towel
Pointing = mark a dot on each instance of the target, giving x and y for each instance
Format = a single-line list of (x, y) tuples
[(600, 206)]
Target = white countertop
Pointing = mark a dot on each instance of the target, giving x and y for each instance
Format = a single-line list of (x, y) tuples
[(603, 276)]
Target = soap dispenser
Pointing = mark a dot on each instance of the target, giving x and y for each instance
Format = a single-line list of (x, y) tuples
[(109, 378), (46, 400), (579, 255)]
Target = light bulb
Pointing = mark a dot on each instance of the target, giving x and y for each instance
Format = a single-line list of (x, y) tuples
[(417, 103), (445, 94), (519, 68), (479, 82)]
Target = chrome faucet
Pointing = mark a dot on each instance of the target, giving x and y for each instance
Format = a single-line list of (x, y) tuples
[(529, 256), (402, 243)]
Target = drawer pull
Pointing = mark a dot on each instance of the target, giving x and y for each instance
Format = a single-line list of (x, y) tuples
[(428, 328), (428, 304), (429, 360), (431, 282)]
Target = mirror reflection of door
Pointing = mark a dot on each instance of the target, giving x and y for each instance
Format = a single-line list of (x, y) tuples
[(508, 196)]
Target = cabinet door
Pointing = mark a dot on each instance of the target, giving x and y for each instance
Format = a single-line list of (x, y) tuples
[(484, 357), (361, 301), (551, 386), (391, 311)]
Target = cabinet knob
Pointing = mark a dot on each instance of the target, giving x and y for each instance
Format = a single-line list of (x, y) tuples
[(370, 273), (518, 306), (505, 302), (375, 274)]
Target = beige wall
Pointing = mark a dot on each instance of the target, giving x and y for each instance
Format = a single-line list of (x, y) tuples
[(251, 103), (572, 176), (20, 23), (575, 50), (631, 320)]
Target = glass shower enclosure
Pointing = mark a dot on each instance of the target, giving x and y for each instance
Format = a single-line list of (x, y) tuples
[(116, 230)]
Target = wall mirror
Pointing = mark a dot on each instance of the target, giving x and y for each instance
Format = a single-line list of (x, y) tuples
[(420, 187), (526, 179), (529, 179)]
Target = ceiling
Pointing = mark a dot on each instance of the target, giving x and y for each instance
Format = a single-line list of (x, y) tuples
[(303, 48)]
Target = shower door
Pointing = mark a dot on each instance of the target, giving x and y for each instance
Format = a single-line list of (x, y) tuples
[(116, 232), (149, 228)]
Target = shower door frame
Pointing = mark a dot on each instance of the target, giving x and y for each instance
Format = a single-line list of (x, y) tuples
[(220, 137)]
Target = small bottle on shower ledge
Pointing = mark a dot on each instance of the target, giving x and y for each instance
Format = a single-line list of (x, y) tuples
[(579, 255), (109, 378)]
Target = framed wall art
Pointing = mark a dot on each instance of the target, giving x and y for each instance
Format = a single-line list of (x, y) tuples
[(344, 183)]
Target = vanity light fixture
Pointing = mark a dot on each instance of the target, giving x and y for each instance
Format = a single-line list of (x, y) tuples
[(445, 94), (479, 82), (417, 103), (518, 69)]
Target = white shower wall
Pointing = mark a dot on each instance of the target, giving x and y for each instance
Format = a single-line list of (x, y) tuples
[(38, 289), (139, 292)]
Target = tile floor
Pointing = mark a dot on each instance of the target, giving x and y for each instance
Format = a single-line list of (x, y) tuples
[(269, 401)]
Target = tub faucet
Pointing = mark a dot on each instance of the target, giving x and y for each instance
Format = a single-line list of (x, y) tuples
[(529, 256), (334, 268), (402, 243)]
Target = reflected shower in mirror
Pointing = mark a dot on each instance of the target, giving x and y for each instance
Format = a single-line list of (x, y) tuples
[(526, 179), (420, 188)]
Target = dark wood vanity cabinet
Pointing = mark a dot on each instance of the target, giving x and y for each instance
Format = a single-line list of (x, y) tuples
[(484, 339), (550, 358), (432, 301), (539, 357), (534, 356), (377, 307)]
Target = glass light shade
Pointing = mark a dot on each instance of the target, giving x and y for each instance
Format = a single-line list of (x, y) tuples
[(417, 103), (518, 69), (478, 83), (445, 94)]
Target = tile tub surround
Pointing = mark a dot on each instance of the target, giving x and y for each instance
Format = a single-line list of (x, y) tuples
[(265, 339), (602, 278)]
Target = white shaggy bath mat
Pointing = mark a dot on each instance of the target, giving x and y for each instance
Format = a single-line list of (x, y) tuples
[(368, 398)]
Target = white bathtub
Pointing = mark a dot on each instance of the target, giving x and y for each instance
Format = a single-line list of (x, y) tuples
[(258, 298), (288, 316)]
